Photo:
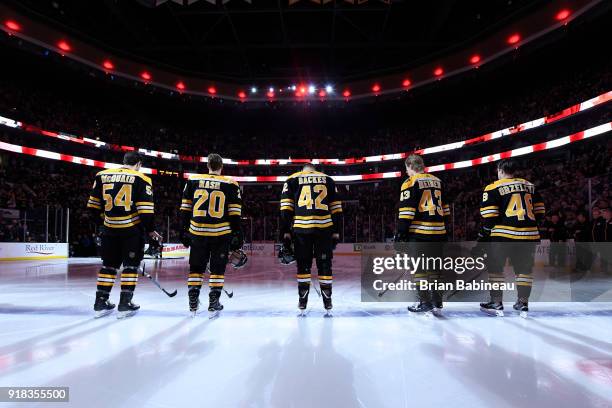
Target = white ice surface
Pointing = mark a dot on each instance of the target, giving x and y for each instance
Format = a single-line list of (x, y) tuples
[(259, 354)]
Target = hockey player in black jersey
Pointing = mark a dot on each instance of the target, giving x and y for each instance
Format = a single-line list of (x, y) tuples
[(310, 217), (211, 214), (123, 200), (510, 211), (422, 222)]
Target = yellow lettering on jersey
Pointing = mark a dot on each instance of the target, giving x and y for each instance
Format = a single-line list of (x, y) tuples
[(117, 178), (312, 179), (210, 184), (430, 184)]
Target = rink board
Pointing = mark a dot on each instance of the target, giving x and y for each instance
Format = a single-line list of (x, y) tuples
[(19, 251)]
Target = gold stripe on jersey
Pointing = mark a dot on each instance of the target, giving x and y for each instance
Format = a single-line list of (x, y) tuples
[(94, 204), (209, 230), (539, 208), (427, 228), (446, 209), (234, 209), (406, 213), (524, 233), (312, 221), (122, 222), (490, 211), (335, 207), (287, 204), (186, 205), (145, 207)]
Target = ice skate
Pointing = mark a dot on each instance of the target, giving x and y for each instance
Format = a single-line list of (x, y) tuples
[(303, 301), (214, 306), (522, 308), (102, 306), (493, 308), (194, 301), (326, 294), (126, 307), (437, 309), (423, 308)]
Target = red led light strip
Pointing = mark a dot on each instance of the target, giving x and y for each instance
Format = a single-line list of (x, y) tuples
[(509, 131), (552, 144)]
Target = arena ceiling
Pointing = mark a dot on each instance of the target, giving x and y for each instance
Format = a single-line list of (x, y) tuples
[(281, 39)]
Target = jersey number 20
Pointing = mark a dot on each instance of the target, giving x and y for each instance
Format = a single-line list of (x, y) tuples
[(216, 203)]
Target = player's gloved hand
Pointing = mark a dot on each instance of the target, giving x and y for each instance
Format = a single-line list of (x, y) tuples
[(335, 240), (398, 241), (185, 239), (287, 242), (237, 241)]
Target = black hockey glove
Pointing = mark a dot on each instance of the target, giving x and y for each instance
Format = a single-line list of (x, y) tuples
[(288, 244), (335, 241), (185, 239), (237, 241)]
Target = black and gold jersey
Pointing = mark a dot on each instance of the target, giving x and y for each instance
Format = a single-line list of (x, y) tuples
[(309, 202), (124, 199), (422, 211), (510, 211), (211, 205)]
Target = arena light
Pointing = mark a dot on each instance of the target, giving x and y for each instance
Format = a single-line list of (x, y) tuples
[(212, 90), (242, 94), (346, 93), (322, 93), (64, 46), (329, 89), (475, 59), (12, 25), (108, 65), (253, 90), (525, 150), (271, 89), (406, 83), (562, 14), (180, 86), (438, 71), (270, 93), (311, 89), (376, 88), (145, 75), (514, 39)]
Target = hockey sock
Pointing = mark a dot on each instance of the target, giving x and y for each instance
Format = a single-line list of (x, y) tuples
[(106, 279)]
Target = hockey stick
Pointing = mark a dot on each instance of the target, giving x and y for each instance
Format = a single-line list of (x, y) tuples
[(316, 290), (148, 275)]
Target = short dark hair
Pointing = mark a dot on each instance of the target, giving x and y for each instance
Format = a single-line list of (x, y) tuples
[(215, 162), (132, 158), (415, 162), (510, 167)]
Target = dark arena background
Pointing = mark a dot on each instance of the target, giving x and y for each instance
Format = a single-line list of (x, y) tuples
[(354, 88)]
